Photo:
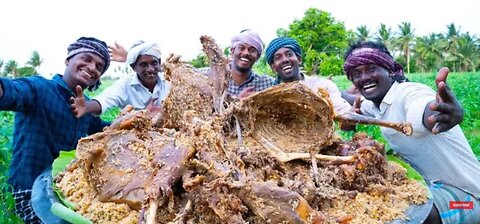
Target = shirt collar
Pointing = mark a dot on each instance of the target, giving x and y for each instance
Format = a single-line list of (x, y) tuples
[(136, 81), (250, 78), (278, 80), (59, 79)]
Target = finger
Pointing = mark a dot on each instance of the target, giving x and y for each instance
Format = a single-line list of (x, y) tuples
[(152, 101), (442, 75), (79, 91), (444, 93), (443, 108), (357, 102)]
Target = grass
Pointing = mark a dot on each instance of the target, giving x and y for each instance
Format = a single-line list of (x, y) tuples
[(466, 87)]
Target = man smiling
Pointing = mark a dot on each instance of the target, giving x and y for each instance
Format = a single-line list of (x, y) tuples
[(284, 55), (44, 124)]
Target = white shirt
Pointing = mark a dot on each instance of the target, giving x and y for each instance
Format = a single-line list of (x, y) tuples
[(444, 158), (314, 83), (130, 91)]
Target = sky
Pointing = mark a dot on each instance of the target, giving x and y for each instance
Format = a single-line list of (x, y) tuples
[(49, 26)]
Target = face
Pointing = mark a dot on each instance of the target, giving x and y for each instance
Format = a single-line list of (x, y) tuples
[(286, 64), (83, 69), (372, 81), (147, 68), (243, 57)]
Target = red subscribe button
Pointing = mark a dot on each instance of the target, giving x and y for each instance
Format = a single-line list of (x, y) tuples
[(461, 205)]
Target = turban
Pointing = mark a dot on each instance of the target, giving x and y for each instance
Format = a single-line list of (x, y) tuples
[(142, 48), (363, 56), (90, 44), (249, 37), (280, 42)]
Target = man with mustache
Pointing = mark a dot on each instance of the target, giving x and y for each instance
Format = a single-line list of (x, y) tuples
[(44, 124), (438, 148), (145, 89), (284, 55)]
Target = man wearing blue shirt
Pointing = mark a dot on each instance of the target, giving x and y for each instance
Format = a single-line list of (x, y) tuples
[(44, 123)]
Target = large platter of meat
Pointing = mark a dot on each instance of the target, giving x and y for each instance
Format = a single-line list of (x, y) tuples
[(273, 157)]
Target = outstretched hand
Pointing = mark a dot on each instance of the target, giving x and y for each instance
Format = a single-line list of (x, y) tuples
[(448, 110), (78, 104), (117, 52)]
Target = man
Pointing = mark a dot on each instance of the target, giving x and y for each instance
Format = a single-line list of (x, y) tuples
[(284, 55), (44, 124), (145, 89), (438, 148), (245, 48)]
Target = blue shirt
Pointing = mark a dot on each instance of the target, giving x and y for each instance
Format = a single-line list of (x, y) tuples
[(44, 125)]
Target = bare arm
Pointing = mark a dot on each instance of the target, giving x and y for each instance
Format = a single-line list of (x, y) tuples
[(80, 106), (445, 112)]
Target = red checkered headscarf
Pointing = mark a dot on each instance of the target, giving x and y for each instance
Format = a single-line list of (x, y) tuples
[(366, 55)]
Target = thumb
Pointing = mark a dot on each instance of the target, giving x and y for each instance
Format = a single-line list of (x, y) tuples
[(441, 75), (79, 91)]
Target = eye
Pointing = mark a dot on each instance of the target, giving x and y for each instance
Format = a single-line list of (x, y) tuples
[(252, 50)]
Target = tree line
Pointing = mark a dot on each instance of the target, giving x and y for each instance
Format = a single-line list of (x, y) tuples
[(324, 41)]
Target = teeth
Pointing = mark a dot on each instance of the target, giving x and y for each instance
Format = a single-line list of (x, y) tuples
[(244, 59), (369, 86), (86, 73), (287, 67)]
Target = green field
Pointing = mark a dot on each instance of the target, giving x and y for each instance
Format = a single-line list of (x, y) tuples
[(466, 87)]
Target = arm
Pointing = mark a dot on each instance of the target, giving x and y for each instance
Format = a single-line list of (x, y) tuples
[(80, 106), (445, 112)]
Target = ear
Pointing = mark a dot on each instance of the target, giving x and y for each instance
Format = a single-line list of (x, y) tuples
[(231, 50), (273, 70), (66, 62)]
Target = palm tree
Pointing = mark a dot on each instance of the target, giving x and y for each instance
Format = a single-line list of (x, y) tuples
[(405, 38), (384, 35), (362, 33), (35, 61), (11, 68), (429, 51)]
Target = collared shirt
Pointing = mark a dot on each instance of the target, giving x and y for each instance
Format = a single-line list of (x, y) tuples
[(260, 82), (315, 83), (44, 125), (442, 158), (130, 91)]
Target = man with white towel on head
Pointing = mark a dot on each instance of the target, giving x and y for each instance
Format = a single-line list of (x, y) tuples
[(145, 89)]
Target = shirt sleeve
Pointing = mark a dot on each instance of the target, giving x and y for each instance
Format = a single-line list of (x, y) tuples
[(14, 96), (416, 97), (113, 96)]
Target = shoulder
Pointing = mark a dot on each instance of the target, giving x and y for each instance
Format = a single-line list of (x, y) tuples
[(410, 89)]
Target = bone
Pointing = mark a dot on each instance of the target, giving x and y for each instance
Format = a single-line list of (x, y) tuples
[(354, 118), (152, 212), (287, 157)]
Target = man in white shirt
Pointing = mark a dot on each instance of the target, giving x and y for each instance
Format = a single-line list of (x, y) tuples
[(145, 89), (284, 56), (437, 148)]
